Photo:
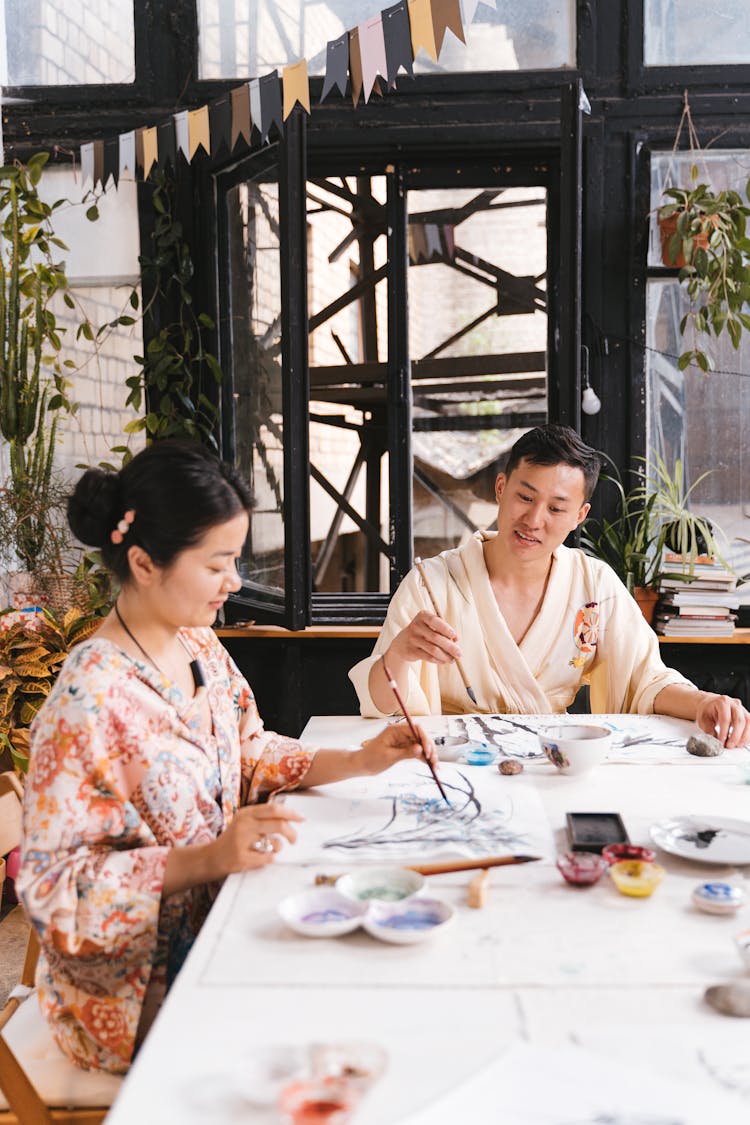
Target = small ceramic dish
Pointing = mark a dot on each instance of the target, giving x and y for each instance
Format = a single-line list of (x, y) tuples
[(718, 898), (479, 754), (360, 1064), (742, 941), (636, 877), (313, 1100), (322, 912), (575, 749), (406, 922), (451, 747), (615, 852), (380, 884), (582, 869)]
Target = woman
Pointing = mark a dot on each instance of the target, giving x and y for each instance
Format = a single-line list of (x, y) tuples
[(149, 760)]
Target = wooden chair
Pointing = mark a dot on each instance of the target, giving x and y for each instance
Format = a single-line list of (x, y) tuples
[(38, 1084)]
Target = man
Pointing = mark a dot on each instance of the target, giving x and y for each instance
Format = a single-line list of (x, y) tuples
[(531, 620)]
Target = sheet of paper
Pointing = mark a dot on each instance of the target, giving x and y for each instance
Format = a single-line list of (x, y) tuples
[(571, 1086), (400, 816)]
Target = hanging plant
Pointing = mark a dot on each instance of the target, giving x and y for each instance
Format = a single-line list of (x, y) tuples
[(703, 232)]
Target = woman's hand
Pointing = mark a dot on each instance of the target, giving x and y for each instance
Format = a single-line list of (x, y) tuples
[(725, 718), (394, 743)]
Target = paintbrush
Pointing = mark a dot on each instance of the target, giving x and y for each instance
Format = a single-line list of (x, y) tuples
[(469, 864), (459, 665), (394, 688)]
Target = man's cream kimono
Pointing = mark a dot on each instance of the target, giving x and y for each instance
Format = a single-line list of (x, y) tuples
[(588, 630)]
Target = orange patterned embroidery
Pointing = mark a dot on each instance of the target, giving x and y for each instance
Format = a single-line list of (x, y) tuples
[(585, 632)]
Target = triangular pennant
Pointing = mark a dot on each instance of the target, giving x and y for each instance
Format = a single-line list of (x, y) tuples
[(198, 131), (271, 110), (417, 243), (446, 16), (87, 164), (111, 162), (220, 124), (448, 240), (139, 154), (166, 144), (355, 65), (296, 86), (127, 155), (469, 9), (432, 241), (337, 65), (372, 53), (98, 163), (397, 38), (240, 115), (150, 150), (182, 135), (422, 32), (256, 110)]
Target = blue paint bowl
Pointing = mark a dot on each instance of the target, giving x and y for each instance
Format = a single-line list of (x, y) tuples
[(480, 755), (403, 923)]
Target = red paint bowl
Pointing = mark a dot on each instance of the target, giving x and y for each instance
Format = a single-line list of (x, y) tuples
[(613, 853), (581, 869)]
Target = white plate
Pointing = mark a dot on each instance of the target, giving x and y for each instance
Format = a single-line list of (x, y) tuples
[(322, 912), (706, 839), (402, 923)]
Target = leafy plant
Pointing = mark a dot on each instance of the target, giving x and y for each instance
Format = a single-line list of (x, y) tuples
[(32, 651), (650, 516), (710, 234), (176, 367)]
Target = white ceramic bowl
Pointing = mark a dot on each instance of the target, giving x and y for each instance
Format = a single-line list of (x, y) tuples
[(575, 748), (380, 884), (322, 912), (403, 923)]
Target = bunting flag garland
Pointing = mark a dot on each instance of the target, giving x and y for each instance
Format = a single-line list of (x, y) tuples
[(337, 65), (242, 114), (167, 153), (111, 162), (296, 86), (355, 65), (271, 110), (150, 150), (372, 53), (198, 131), (220, 124), (370, 56), (397, 39), (127, 155), (446, 16), (422, 31), (87, 163), (182, 136), (255, 108)]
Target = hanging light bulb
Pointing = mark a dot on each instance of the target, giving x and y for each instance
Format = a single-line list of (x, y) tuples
[(590, 403)]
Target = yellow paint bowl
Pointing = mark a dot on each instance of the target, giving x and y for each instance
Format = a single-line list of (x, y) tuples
[(636, 877)]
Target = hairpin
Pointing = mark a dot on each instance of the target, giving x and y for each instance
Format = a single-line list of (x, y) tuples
[(123, 527)]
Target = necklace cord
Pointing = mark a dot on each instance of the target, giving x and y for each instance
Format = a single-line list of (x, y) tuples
[(196, 671)]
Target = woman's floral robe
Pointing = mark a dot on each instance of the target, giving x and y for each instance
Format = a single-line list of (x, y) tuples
[(119, 774)]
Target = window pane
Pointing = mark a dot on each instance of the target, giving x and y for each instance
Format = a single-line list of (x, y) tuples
[(690, 32), (702, 419), (255, 373), (477, 338), (69, 42), (251, 37)]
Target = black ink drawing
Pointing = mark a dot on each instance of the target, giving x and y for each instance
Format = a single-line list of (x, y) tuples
[(424, 820)]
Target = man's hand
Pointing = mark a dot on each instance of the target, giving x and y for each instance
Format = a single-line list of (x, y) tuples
[(725, 718), (427, 637)]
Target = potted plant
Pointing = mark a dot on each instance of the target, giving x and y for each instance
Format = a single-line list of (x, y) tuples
[(650, 516)]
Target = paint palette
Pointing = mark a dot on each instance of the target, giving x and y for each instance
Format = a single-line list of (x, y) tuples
[(709, 839), (325, 912), (407, 922)]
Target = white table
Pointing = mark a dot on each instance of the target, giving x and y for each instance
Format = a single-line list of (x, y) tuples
[(543, 964)]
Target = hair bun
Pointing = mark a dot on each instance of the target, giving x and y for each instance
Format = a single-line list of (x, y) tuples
[(94, 506)]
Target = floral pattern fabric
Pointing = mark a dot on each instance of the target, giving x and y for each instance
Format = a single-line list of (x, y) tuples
[(119, 774)]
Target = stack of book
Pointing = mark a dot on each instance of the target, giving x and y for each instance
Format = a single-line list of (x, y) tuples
[(698, 599)]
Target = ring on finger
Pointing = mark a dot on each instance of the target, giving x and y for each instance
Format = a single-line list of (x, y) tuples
[(263, 844)]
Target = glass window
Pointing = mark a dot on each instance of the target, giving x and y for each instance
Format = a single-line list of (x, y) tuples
[(702, 419), (690, 32), (255, 373), (69, 42), (251, 37)]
